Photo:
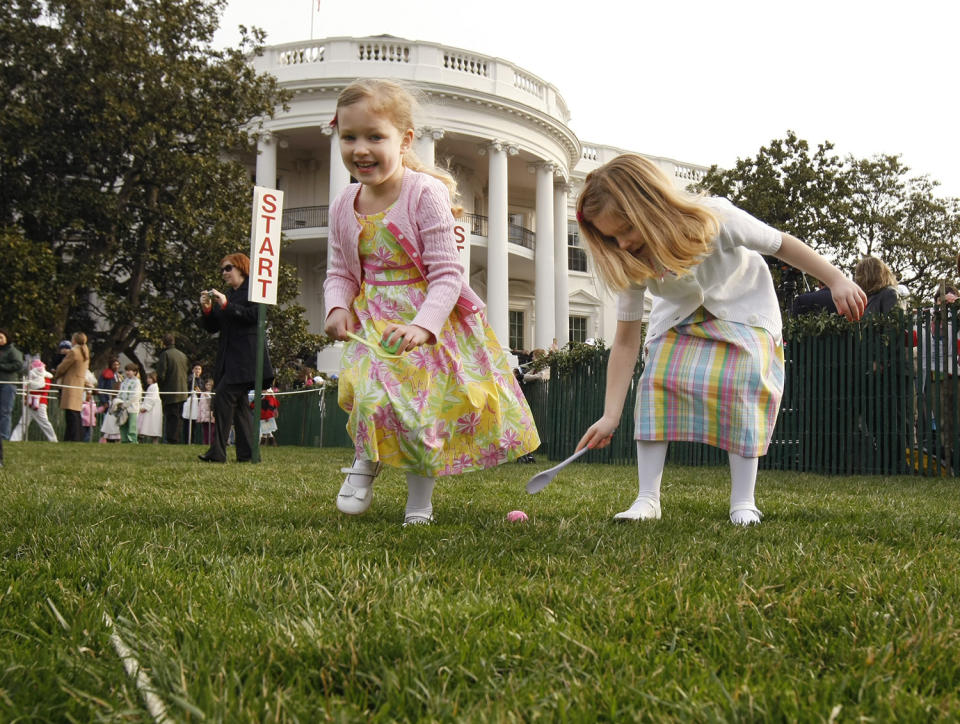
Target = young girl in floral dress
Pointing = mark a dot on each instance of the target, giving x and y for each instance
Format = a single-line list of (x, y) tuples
[(425, 381)]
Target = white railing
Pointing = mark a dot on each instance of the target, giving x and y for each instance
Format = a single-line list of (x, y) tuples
[(301, 56), (527, 83), (308, 61), (689, 173), (465, 63), (589, 153), (384, 51)]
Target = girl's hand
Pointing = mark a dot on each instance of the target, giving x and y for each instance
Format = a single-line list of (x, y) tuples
[(411, 336), (339, 322), (600, 434), (848, 298)]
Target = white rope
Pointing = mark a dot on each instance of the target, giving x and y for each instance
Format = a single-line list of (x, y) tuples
[(155, 705)]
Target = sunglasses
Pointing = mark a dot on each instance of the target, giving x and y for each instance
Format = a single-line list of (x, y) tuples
[(226, 268)]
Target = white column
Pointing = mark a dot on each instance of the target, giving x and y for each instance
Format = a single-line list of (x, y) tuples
[(498, 289), (561, 306), (267, 160), (426, 144), (339, 176), (545, 270)]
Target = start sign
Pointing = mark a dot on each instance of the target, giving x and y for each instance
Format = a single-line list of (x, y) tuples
[(265, 245)]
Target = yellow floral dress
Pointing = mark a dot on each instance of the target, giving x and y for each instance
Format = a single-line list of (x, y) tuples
[(441, 409)]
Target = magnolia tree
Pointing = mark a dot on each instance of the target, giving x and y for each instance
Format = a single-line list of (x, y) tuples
[(116, 179)]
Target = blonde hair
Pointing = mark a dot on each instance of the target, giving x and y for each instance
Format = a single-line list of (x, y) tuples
[(872, 274), (397, 104), (79, 339), (677, 230)]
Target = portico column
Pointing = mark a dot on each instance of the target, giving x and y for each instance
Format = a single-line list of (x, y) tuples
[(267, 160), (498, 290), (425, 147), (545, 272), (561, 306), (339, 176)]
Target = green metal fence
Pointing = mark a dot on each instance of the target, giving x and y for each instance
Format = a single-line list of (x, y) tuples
[(877, 397)]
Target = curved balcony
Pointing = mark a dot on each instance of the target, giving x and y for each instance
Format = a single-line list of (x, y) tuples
[(303, 64), (318, 217)]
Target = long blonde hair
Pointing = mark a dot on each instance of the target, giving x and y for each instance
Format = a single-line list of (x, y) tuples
[(677, 230), (79, 339), (397, 104), (872, 274)]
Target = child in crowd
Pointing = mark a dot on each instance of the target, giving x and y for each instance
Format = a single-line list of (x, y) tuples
[(150, 421), (442, 400), (88, 415), (36, 387), (713, 369), (206, 410), (128, 402), (269, 405)]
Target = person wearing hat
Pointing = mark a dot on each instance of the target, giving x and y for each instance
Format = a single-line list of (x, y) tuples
[(11, 362), (36, 390)]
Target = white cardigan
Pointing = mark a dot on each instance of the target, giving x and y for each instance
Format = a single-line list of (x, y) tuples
[(732, 282)]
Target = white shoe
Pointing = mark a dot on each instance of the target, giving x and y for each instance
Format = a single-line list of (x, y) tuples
[(356, 493), (744, 514), (643, 508), (417, 519)]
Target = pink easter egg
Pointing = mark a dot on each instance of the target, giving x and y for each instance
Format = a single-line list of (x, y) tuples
[(516, 516)]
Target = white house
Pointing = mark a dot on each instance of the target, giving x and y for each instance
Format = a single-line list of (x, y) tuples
[(503, 134)]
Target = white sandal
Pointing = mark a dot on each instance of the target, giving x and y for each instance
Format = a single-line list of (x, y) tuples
[(643, 508), (355, 497), (745, 521)]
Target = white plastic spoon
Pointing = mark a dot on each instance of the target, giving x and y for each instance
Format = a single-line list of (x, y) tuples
[(541, 480)]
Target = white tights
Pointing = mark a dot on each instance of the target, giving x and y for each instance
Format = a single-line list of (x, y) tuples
[(651, 456)]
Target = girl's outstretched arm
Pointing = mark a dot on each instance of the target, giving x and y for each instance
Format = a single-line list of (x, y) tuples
[(847, 296), (623, 359)]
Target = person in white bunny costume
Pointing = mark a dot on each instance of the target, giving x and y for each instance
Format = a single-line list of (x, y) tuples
[(36, 388)]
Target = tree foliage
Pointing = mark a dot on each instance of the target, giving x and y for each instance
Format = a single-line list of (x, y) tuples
[(115, 167), (846, 208)]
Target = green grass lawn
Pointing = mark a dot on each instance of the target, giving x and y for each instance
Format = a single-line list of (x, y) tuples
[(247, 597)]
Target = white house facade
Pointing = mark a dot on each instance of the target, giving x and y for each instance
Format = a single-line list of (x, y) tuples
[(501, 131)]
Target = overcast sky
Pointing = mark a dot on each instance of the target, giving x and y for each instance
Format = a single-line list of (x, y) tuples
[(700, 81)]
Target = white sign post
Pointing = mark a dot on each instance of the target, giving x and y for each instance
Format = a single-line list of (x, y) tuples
[(265, 245), (263, 280)]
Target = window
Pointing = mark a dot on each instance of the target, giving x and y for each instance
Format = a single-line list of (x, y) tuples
[(516, 330), (578, 329), (576, 254)]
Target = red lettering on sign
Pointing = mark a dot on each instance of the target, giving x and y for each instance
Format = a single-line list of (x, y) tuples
[(266, 246), (269, 203), (269, 219), (266, 267), (459, 234), (265, 282)]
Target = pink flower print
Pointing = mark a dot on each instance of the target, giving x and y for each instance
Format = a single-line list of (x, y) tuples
[(449, 338), (421, 358), (492, 456), (468, 424), (456, 371), (482, 358), (461, 464), (386, 419), (431, 438), (358, 353), (420, 399), (416, 297), (510, 440), (363, 433), (382, 256)]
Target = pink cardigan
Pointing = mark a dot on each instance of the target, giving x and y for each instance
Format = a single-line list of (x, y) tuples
[(421, 221)]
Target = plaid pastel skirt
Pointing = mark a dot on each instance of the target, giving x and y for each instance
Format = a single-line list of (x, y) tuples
[(712, 381)]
